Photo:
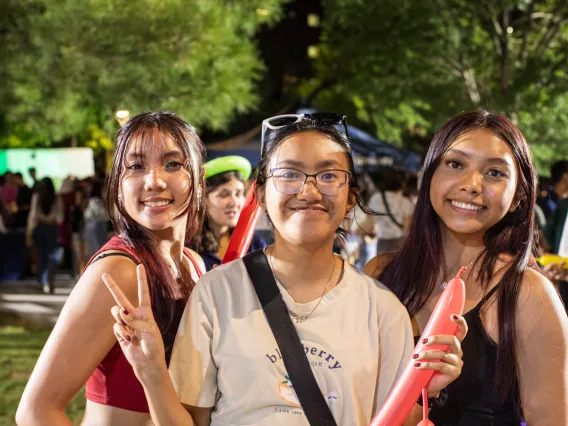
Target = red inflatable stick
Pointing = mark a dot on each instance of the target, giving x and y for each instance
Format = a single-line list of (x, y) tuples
[(407, 390), (242, 235)]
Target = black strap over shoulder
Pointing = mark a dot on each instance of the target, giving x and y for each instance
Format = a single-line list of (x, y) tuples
[(295, 360)]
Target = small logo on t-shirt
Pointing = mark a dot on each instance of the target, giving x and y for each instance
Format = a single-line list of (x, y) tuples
[(287, 392)]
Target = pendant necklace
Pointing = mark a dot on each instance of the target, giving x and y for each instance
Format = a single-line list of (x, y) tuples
[(461, 271)]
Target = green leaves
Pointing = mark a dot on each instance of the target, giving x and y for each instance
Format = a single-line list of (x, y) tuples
[(78, 62), (408, 65)]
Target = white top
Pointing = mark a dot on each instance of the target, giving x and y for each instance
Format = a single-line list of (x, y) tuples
[(55, 216), (400, 207), (358, 341)]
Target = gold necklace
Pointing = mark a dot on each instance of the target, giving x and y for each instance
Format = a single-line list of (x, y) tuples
[(302, 318), (460, 272)]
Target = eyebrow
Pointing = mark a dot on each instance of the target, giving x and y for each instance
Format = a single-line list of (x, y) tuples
[(494, 160), (318, 165), (141, 156)]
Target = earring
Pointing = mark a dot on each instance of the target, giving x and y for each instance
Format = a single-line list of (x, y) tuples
[(199, 197)]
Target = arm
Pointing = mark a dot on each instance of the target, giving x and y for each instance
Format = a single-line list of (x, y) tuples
[(59, 211), (542, 352), (142, 344), (32, 217), (79, 341)]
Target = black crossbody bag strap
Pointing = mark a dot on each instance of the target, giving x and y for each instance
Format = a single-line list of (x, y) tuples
[(295, 360)]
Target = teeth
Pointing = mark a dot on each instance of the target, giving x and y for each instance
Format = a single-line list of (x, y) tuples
[(157, 203), (466, 206)]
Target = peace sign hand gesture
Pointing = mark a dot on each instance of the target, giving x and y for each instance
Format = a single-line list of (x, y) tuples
[(135, 328)]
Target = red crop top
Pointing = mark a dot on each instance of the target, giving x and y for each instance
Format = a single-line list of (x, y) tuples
[(114, 382)]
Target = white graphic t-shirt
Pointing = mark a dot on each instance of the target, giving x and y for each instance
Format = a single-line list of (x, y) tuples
[(358, 341)]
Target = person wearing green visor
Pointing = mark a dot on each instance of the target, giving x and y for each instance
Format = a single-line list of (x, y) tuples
[(225, 195)]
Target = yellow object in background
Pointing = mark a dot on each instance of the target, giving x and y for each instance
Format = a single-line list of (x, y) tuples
[(552, 258)]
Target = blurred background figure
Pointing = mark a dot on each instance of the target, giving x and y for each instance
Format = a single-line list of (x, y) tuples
[(95, 219), (9, 191), (224, 199), (23, 203), (77, 231), (46, 213), (396, 209), (554, 190)]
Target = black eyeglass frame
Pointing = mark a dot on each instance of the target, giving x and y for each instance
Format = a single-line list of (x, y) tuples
[(307, 175)]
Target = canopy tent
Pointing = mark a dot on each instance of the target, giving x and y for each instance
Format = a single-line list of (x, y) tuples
[(369, 152)]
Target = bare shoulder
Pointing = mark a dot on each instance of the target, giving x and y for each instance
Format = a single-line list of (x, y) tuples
[(539, 307), (377, 264), (121, 268)]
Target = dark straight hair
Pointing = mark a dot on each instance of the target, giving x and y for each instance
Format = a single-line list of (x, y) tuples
[(276, 137), (411, 275), (46, 195), (140, 131)]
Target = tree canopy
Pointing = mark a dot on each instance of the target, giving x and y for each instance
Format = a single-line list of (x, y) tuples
[(408, 65), (69, 65)]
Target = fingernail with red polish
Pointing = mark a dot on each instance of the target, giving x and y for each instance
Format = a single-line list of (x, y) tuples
[(417, 364), (425, 341), (415, 356), (128, 338), (455, 317), (125, 311)]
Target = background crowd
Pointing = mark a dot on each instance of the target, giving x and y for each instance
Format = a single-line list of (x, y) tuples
[(64, 228)]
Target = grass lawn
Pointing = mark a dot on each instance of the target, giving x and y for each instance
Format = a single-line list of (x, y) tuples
[(20, 346)]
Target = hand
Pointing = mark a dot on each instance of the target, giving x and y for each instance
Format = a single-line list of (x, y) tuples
[(447, 363), (135, 328), (556, 272)]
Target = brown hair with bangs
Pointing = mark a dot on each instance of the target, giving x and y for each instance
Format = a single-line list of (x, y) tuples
[(140, 130)]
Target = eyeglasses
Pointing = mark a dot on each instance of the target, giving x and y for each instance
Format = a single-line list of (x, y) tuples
[(291, 181), (321, 118)]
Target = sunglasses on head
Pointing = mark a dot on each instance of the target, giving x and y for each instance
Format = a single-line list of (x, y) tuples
[(320, 118)]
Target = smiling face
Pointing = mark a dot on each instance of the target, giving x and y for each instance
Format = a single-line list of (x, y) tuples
[(475, 183), (225, 202), (308, 216), (155, 184)]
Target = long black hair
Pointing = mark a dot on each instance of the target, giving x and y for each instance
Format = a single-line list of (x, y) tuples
[(140, 130), (46, 194), (411, 275)]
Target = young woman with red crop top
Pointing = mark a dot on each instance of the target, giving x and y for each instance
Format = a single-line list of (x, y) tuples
[(154, 193)]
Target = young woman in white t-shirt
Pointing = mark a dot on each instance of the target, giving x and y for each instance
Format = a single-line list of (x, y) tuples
[(226, 367)]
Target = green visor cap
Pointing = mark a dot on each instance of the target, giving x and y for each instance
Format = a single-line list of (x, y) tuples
[(228, 164)]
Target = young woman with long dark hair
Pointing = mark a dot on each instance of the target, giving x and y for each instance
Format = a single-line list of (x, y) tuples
[(46, 213), (225, 196), (475, 208), (226, 365), (154, 200)]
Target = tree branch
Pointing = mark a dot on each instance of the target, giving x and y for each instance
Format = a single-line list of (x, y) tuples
[(552, 28), (522, 53)]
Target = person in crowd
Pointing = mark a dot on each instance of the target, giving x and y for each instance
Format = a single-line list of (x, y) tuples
[(9, 191), (155, 185), (46, 213), (225, 195), (475, 209), (67, 194), (95, 219), (33, 174), (77, 231), (23, 203), (225, 367), (393, 224), (557, 190)]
